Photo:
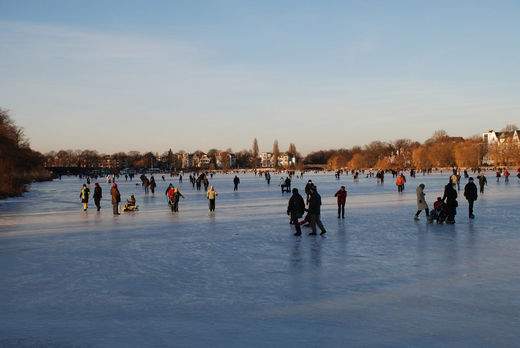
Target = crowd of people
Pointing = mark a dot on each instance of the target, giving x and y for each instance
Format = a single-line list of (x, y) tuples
[(444, 208)]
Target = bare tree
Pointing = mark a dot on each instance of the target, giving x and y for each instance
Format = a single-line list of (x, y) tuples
[(510, 128)]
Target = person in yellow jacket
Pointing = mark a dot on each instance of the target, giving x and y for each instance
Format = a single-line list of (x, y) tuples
[(85, 192), (211, 194)]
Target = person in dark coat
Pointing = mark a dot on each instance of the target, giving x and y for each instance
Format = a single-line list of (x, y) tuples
[(97, 196), (295, 209), (175, 199), (116, 198), (342, 198), (153, 185), (308, 190), (314, 211), (470, 192), (482, 181), (236, 181), (450, 196)]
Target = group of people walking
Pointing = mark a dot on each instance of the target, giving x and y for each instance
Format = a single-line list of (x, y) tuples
[(445, 208)]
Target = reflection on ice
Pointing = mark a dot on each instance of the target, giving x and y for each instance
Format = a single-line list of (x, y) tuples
[(239, 277)]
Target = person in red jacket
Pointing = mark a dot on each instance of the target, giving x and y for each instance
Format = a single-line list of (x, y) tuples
[(342, 198)]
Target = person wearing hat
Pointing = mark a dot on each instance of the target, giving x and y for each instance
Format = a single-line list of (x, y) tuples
[(470, 192), (116, 198), (85, 192)]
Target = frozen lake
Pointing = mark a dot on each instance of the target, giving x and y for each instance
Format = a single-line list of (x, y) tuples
[(239, 278)]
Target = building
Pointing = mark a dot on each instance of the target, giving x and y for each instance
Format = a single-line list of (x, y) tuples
[(226, 160), (286, 160), (266, 159), (187, 160), (492, 137)]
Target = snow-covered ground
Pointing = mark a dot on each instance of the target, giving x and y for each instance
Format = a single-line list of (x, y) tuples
[(240, 278)]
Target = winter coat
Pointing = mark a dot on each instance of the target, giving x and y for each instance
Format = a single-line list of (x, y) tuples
[(236, 180), (470, 191), (84, 194), (400, 180), (421, 200), (296, 206), (211, 194), (342, 196), (482, 180), (97, 193), (315, 203), (450, 195), (116, 196)]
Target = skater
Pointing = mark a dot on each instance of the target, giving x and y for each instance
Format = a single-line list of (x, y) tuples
[(342, 198), (421, 203), (97, 196), (174, 199), (470, 192), (268, 178), (482, 181), (146, 184), (506, 176), (450, 196), (314, 211), (116, 198), (236, 181), (211, 194), (308, 190), (400, 181), (295, 209), (85, 192), (153, 185)]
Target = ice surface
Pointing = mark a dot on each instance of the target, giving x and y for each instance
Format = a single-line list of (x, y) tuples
[(240, 278)]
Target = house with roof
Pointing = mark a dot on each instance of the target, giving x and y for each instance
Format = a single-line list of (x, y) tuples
[(226, 160), (491, 137)]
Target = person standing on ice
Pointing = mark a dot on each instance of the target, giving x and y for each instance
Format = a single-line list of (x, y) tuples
[(175, 199), (470, 192), (116, 198), (211, 195), (295, 209), (97, 196), (421, 203), (342, 198), (308, 190), (450, 195), (400, 182), (153, 185), (314, 211), (482, 181), (236, 181), (85, 192)]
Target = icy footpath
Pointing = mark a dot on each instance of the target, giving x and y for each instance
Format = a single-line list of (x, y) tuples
[(240, 278)]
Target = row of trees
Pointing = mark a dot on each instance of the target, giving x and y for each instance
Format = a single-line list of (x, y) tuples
[(167, 160), (440, 150), (19, 165)]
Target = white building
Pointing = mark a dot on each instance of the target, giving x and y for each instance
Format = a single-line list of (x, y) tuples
[(493, 137)]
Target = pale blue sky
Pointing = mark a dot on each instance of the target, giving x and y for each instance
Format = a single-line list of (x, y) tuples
[(152, 75)]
